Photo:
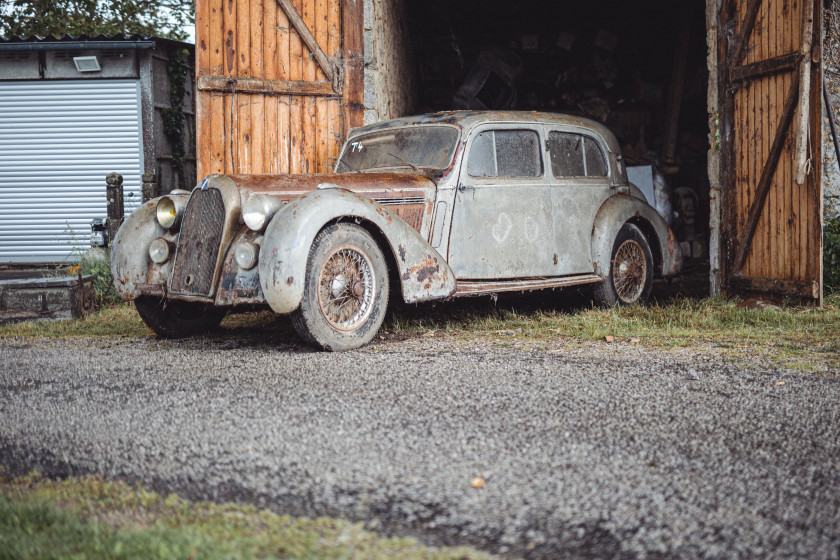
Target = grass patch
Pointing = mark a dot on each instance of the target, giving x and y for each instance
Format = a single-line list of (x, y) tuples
[(120, 320), (90, 517), (785, 331)]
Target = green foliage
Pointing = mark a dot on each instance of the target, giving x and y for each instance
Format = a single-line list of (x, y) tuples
[(831, 255), (173, 116), (103, 284), (93, 518), (161, 18)]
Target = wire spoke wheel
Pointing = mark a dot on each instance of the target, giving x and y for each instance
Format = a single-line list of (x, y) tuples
[(345, 293), (630, 271), (346, 287)]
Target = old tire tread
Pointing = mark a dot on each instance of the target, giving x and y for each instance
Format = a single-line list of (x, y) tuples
[(604, 293), (309, 321), (162, 317)]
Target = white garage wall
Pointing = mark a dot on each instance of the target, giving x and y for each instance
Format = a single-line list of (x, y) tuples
[(58, 141)]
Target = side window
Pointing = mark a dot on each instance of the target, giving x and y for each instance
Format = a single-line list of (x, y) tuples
[(596, 165), (574, 155), (566, 155), (505, 153)]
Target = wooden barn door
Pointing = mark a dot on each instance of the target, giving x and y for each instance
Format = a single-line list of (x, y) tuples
[(770, 132), (279, 82)]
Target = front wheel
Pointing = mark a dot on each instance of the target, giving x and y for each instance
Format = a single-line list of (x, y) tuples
[(631, 270), (178, 319), (345, 293)]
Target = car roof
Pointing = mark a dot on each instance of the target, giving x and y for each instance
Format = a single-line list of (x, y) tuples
[(469, 119)]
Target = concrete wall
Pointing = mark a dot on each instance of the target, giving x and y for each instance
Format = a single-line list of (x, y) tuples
[(390, 69)]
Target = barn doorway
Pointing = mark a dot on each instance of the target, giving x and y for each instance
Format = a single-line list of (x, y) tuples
[(638, 67)]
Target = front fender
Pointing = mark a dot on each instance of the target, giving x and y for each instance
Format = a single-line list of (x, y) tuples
[(130, 250), (423, 273), (611, 217)]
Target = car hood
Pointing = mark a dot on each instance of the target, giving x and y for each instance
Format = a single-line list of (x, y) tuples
[(372, 185)]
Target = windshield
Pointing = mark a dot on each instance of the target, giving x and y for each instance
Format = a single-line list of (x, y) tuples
[(415, 147)]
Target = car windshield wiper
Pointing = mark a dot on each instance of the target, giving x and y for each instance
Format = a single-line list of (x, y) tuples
[(414, 167), (348, 166)]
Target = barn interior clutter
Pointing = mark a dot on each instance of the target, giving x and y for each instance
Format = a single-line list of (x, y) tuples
[(638, 67)]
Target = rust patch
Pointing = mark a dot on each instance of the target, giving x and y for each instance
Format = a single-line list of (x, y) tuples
[(425, 270), (382, 212), (402, 253), (555, 258), (290, 280)]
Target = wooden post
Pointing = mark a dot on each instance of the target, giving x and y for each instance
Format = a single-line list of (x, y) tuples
[(804, 90), (114, 192)]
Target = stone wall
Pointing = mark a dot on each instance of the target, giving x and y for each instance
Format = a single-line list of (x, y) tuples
[(831, 72), (390, 69)]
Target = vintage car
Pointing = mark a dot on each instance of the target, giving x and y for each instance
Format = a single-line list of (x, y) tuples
[(422, 208)]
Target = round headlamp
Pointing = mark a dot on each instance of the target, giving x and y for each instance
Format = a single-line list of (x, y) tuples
[(246, 254), (258, 211), (169, 211), (159, 250)]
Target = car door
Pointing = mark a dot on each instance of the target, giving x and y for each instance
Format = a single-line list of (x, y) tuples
[(502, 217), (580, 183)]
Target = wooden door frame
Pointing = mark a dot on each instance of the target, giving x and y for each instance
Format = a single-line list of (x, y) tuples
[(734, 246)]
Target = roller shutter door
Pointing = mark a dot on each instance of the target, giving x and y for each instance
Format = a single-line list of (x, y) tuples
[(58, 141)]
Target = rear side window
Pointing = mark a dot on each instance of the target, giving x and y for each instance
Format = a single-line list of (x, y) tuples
[(505, 153), (575, 155)]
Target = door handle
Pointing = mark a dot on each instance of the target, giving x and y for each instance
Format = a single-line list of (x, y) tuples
[(465, 188)]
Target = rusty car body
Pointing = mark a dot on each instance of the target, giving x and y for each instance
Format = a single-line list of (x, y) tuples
[(420, 208)]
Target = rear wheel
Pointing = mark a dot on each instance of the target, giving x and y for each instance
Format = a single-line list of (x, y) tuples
[(631, 270), (346, 289), (178, 319)]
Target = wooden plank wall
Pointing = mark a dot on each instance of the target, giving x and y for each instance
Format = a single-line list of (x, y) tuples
[(786, 246), (252, 132)]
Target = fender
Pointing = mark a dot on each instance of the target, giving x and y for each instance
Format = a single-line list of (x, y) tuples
[(612, 216), (423, 273), (130, 250)]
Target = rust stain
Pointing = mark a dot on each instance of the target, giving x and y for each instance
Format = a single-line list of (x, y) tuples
[(402, 253), (555, 258), (425, 270), (290, 280)]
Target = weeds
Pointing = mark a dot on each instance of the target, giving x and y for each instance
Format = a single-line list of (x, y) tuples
[(90, 517), (831, 255)]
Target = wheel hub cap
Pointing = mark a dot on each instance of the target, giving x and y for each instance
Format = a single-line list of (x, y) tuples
[(346, 288)]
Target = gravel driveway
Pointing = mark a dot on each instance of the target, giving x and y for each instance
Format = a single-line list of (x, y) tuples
[(601, 450)]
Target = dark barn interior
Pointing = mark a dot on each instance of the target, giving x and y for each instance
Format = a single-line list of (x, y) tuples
[(638, 67)]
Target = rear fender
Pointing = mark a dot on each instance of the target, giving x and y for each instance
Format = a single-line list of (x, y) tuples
[(423, 273), (612, 216)]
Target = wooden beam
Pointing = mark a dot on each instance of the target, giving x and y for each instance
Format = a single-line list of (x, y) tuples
[(766, 176), (808, 289), (765, 67), (801, 145), (330, 71), (675, 93), (226, 84), (744, 35), (352, 30)]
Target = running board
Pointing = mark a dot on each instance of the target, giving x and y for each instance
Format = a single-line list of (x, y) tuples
[(473, 288)]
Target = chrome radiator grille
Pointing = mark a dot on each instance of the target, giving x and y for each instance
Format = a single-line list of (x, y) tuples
[(199, 243)]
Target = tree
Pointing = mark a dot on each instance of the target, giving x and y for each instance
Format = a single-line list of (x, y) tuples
[(161, 18)]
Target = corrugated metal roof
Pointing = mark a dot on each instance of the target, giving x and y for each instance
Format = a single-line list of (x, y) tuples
[(137, 40), (83, 37)]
